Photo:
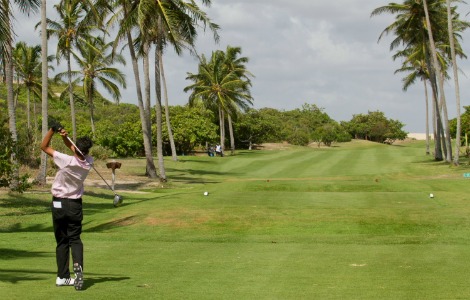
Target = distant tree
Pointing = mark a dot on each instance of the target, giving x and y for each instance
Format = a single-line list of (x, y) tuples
[(299, 125), (254, 127), (193, 126), (375, 127), (329, 133)]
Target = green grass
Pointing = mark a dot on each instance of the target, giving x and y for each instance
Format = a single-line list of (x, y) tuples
[(349, 222)]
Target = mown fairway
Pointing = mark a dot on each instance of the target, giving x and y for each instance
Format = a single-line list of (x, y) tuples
[(351, 222)]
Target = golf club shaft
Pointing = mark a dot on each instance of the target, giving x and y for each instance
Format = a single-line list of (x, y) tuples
[(81, 153)]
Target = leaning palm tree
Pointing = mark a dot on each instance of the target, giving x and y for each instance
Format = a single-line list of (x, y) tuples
[(95, 62), (6, 44)]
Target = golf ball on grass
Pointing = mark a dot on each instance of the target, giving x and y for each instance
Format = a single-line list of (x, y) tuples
[(206, 193), (431, 195)]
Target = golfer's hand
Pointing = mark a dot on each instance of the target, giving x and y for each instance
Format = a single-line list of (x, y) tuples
[(63, 132)]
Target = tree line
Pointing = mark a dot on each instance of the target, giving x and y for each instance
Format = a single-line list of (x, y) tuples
[(195, 127)]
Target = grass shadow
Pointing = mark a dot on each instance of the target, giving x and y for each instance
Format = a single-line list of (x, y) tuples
[(93, 280), (15, 276), (19, 227), (10, 254), (112, 224)]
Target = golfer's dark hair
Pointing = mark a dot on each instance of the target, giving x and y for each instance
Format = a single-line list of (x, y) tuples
[(84, 144)]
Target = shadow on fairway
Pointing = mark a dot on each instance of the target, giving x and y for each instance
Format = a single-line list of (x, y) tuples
[(18, 227), (24, 205), (113, 224), (15, 276), (196, 176), (7, 254), (92, 280)]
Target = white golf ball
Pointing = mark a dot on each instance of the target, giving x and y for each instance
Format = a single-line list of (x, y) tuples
[(431, 195), (206, 193)]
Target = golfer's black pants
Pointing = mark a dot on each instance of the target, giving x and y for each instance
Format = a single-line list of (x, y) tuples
[(67, 216)]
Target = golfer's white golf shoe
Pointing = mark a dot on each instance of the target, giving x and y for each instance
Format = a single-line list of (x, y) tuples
[(64, 281)]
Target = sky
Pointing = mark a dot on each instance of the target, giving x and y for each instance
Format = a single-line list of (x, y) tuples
[(302, 51)]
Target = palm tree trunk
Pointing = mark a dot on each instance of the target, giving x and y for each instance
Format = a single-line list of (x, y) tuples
[(437, 123), (28, 109), (222, 128), (41, 178), (426, 101), (147, 97), (232, 138), (158, 113), (92, 109), (151, 171), (456, 81), (167, 111), (71, 100), (438, 72), (11, 109)]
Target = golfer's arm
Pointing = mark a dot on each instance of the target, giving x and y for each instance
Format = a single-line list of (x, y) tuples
[(46, 141)]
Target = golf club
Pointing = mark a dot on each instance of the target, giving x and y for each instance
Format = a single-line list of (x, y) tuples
[(117, 199)]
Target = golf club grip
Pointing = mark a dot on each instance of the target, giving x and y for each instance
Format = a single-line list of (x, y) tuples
[(81, 153)]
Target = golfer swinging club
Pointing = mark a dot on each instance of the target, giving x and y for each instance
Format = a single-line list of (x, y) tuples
[(67, 215)]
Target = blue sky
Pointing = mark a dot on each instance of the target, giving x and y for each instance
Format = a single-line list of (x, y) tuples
[(303, 51)]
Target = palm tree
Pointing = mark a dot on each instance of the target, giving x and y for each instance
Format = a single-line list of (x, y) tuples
[(71, 28), (95, 66), (6, 33), (417, 69), (437, 68), (27, 62), (219, 87), (41, 177), (176, 25), (237, 65), (450, 28), (127, 24)]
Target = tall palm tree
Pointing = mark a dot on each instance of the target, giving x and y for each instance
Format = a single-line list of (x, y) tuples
[(6, 44), (219, 87), (71, 28), (41, 177), (126, 16), (95, 62), (176, 25), (450, 28), (437, 68)]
